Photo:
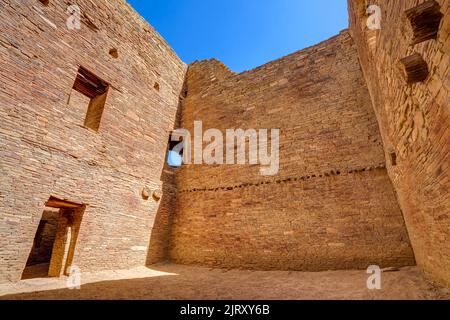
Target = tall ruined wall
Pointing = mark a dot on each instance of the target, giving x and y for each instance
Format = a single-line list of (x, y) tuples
[(46, 151), (414, 119), (331, 205)]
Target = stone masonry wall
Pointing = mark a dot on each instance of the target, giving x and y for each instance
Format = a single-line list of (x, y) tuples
[(414, 120), (46, 151), (331, 206)]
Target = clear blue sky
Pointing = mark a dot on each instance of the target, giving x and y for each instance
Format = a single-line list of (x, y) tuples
[(243, 34)]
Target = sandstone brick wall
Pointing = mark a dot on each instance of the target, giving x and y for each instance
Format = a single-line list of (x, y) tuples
[(331, 206), (44, 148), (414, 121)]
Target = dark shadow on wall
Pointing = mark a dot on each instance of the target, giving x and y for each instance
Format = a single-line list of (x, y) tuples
[(159, 246), (158, 249), (38, 262)]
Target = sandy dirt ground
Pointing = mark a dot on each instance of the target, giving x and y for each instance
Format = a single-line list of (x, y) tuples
[(169, 282)]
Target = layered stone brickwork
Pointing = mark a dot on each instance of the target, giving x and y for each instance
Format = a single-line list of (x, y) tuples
[(86, 116), (331, 206), (413, 114), (45, 150)]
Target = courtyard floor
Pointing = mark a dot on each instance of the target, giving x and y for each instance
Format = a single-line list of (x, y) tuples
[(169, 281)]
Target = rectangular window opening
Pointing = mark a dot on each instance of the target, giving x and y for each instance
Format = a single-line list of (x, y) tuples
[(174, 158), (96, 90)]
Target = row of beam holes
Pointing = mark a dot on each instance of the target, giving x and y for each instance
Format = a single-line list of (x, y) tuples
[(425, 20), (304, 178)]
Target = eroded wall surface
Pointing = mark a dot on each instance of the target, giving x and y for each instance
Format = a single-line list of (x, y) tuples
[(331, 206), (45, 149), (414, 121)]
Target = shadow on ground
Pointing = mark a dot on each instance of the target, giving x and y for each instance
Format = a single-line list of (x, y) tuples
[(193, 283)]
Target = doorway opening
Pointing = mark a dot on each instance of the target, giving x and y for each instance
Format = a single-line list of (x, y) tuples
[(53, 247)]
